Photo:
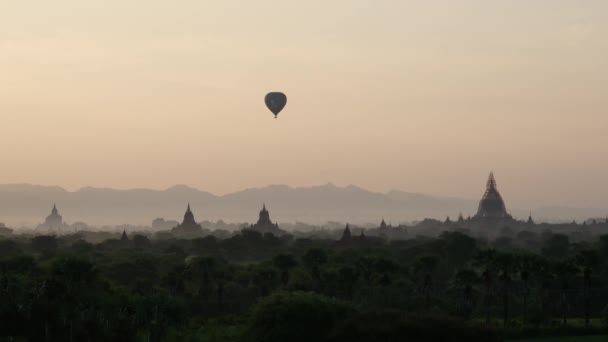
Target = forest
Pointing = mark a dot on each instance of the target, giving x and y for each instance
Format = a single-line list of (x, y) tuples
[(261, 287)]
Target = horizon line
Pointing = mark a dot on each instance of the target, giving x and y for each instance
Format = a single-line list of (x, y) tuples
[(260, 187)]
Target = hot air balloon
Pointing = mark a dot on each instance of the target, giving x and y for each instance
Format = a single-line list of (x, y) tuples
[(275, 102)]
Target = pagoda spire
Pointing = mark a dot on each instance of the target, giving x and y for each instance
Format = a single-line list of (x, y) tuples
[(189, 217), (491, 181), (346, 234)]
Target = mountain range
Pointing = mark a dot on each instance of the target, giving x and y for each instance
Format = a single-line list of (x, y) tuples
[(27, 205)]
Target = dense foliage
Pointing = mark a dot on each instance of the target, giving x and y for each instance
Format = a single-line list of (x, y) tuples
[(255, 287)]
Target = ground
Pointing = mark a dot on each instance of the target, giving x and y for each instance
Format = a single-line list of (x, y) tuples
[(596, 338)]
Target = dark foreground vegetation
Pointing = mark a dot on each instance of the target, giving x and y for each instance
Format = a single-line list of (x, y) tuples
[(254, 287)]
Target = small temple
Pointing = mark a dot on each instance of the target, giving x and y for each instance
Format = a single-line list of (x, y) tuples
[(492, 205), (54, 221), (188, 227), (387, 231), (346, 235), (348, 240), (530, 219), (265, 224), (384, 227), (124, 236)]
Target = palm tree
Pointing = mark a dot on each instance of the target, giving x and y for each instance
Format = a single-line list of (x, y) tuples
[(347, 277), (203, 268), (486, 259), (176, 279), (313, 259), (284, 262), (264, 278), (587, 261), (564, 271), (544, 271), (465, 279), (526, 264), (221, 275), (427, 265), (506, 263)]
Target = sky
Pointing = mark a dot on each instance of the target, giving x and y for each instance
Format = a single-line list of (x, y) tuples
[(421, 96)]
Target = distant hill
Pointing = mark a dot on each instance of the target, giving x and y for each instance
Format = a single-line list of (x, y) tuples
[(27, 205)]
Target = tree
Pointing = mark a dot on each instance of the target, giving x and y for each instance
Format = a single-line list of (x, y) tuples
[(221, 275), (505, 263), (486, 260), (527, 264), (155, 312), (16, 282), (313, 259), (176, 278), (393, 325), (203, 269), (458, 247), (347, 276), (44, 244), (382, 270), (587, 261), (295, 317), (265, 278), (465, 279), (556, 247), (284, 262), (73, 285), (9, 248), (564, 270), (426, 265), (603, 246), (140, 241)]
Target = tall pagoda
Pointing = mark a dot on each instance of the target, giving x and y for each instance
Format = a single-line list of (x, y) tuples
[(53, 222), (492, 205), (188, 227), (265, 225)]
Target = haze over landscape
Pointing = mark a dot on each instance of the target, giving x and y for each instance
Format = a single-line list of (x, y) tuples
[(408, 95), (27, 205)]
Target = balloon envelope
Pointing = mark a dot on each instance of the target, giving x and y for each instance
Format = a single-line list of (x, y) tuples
[(275, 102)]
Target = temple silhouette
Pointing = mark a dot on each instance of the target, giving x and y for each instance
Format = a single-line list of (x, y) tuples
[(188, 227), (348, 240), (346, 234), (265, 225), (492, 205), (53, 222)]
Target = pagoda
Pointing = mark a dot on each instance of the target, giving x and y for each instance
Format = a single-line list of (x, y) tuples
[(265, 224), (346, 235), (491, 205), (53, 222), (188, 227)]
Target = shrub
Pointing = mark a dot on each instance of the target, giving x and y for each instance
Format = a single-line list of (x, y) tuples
[(391, 325), (296, 316)]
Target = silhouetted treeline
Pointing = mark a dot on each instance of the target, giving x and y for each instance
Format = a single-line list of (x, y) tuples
[(255, 287)]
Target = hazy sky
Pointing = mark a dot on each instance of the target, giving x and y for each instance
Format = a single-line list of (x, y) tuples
[(424, 96)]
